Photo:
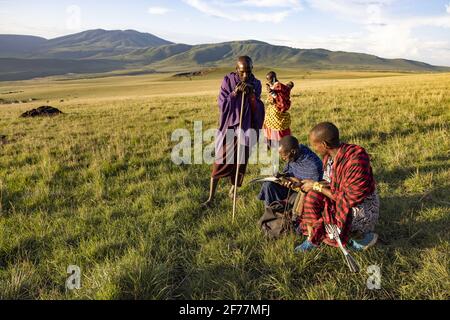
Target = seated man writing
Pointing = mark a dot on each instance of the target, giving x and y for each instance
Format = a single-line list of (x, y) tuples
[(347, 196), (302, 163)]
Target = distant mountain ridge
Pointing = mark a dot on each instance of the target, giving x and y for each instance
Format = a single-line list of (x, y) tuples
[(92, 44), (11, 45), (119, 49), (265, 54)]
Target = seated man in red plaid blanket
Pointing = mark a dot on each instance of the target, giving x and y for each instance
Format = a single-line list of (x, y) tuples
[(346, 197)]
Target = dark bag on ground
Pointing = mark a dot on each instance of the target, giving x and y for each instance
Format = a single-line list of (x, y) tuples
[(278, 218)]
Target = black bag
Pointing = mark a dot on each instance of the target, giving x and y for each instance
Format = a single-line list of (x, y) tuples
[(278, 219)]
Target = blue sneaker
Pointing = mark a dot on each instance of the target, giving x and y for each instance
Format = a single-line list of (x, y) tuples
[(306, 246), (369, 240)]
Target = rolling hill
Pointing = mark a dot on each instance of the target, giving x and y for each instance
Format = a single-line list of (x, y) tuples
[(265, 54), (17, 45), (92, 44), (97, 44), (129, 49)]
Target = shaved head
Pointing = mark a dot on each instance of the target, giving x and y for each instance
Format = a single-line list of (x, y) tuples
[(289, 143), (289, 148), (244, 68), (245, 61), (328, 133)]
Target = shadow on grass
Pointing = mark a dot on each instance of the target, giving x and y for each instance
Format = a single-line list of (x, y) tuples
[(383, 136), (32, 249), (399, 175), (399, 226)]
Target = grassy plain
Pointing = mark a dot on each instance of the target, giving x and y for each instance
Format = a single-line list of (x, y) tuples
[(96, 188)]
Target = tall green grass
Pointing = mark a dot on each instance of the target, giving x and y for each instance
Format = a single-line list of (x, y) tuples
[(96, 188)]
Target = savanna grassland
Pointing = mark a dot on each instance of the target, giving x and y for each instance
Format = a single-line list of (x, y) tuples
[(96, 188)]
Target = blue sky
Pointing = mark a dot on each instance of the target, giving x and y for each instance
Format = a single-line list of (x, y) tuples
[(413, 29)]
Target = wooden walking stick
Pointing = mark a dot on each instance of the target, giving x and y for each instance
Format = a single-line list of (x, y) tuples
[(238, 156)]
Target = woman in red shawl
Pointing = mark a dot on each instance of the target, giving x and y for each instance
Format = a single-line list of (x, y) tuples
[(277, 123), (346, 197)]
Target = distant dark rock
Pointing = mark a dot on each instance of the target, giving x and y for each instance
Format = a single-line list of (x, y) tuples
[(11, 92), (3, 139), (44, 111), (192, 74)]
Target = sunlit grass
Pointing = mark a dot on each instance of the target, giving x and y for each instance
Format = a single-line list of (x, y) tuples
[(96, 188)]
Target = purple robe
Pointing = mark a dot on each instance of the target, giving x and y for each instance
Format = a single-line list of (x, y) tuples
[(230, 109)]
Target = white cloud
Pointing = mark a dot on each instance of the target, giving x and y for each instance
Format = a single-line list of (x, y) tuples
[(447, 6), (335, 42), (395, 45), (377, 31), (359, 11), (395, 38), (271, 3), (158, 10), (393, 41), (247, 10), (385, 35)]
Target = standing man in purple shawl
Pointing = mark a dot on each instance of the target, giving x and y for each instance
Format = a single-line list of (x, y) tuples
[(234, 85)]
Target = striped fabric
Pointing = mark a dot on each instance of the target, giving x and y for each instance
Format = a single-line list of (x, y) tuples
[(351, 183)]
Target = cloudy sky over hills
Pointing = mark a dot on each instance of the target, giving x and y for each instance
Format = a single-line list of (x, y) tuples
[(413, 29)]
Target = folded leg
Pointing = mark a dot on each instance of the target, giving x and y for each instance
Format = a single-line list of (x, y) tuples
[(271, 192), (311, 221)]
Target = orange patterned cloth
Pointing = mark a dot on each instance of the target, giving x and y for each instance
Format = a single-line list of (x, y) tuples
[(277, 122)]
